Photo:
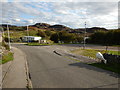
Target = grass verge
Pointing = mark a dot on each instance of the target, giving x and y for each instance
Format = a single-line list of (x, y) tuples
[(7, 57), (38, 44), (92, 52)]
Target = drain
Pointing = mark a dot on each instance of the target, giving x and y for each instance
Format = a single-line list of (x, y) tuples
[(57, 53), (29, 75)]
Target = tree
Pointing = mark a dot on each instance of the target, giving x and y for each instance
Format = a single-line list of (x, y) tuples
[(54, 37), (41, 33), (98, 37), (48, 33), (66, 37), (116, 36), (107, 38), (79, 39)]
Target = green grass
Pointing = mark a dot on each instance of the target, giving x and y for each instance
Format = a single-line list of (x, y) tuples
[(38, 44), (15, 34), (110, 67), (92, 52), (7, 57), (114, 52)]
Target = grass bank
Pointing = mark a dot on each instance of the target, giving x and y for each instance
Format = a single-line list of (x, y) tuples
[(92, 52), (38, 44), (7, 57)]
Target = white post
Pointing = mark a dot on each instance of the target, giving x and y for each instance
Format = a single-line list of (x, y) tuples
[(8, 37), (3, 32), (84, 36), (27, 34), (29, 21)]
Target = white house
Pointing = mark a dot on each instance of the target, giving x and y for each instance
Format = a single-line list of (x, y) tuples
[(31, 38)]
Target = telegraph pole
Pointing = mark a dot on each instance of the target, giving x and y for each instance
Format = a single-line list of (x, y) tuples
[(8, 37), (84, 37), (27, 34), (30, 21)]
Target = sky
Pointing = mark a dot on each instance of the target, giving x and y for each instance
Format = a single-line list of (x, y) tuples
[(71, 13)]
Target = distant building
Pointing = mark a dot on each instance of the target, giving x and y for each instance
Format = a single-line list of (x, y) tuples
[(31, 38), (42, 41)]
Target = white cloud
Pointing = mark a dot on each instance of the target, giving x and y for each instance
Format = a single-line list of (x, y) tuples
[(3, 0), (98, 13), (59, 1), (67, 13)]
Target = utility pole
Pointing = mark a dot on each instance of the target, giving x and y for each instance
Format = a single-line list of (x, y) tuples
[(29, 21), (8, 37), (27, 34), (84, 37), (3, 32)]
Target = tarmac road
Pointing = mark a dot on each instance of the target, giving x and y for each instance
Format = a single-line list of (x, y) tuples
[(49, 70)]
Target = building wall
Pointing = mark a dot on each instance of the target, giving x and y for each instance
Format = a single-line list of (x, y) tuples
[(31, 38)]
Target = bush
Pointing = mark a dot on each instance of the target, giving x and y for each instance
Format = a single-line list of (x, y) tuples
[(54, 37), (41, 33), (4, 44), (107, 38), (63, 36)]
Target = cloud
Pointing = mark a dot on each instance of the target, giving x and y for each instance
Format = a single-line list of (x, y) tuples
[(4, 1), (97, 14), (60, 1), (72, 14)]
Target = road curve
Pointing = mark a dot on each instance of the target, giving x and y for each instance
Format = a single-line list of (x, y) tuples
[(49, 70)]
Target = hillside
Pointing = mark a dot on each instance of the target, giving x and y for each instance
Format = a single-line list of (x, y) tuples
[(56, 27), (59, 27), (88, 30), (41, 25)]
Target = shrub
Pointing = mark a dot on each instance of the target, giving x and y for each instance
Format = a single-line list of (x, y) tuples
[(4, 44)]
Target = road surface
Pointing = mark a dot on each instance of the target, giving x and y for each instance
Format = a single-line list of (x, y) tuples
[(49, 70)]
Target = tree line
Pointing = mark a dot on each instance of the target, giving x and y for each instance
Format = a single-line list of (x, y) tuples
[(111, 37), (61, 36)]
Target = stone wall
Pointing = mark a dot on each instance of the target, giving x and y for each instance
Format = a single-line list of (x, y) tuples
[(112, 58)]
